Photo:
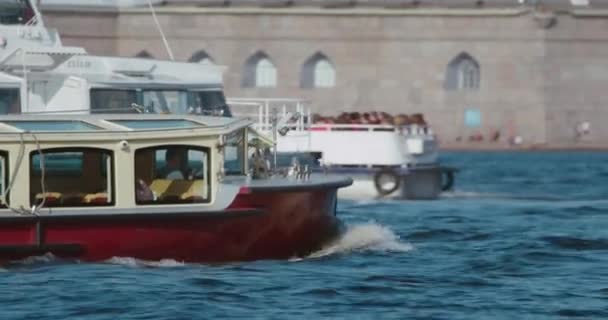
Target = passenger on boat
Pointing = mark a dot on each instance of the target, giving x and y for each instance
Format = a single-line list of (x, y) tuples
[(174, 160), (143, 191)]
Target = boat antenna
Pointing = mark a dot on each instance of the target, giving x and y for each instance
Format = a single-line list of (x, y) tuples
[(37, 19), (160, 30)]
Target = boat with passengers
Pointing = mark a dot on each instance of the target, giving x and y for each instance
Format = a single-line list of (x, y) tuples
[(40, 75), (386, 160), (93, 187)]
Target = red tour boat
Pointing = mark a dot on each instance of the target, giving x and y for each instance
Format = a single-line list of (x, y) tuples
[(189, 188)]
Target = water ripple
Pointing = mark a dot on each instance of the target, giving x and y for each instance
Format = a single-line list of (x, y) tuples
[(573, 243), (524, 235)]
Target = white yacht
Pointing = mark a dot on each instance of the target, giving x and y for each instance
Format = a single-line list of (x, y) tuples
[(40, 75)]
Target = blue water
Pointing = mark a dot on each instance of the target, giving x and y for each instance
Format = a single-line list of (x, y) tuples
[(523, 236)]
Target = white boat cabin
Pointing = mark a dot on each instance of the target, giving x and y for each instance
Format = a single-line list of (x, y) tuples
[(339, 145), (40, 75), (122, 161)]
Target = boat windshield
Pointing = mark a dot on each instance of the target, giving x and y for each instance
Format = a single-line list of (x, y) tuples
[(15, 12), (165, 101), (210, 102)]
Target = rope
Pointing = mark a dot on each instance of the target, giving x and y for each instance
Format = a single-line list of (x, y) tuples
[(21, 210)]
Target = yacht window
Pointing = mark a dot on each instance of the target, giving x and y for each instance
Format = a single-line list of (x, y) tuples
[(234, 163), (211, 103), (172, 175), (10, 101), (165, 101), (113, 101), (73, 177), (15, 12)]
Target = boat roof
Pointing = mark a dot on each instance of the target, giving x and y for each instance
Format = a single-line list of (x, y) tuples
[(118, 124)]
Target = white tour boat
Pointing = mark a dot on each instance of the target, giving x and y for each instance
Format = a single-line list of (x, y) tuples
[(384, 160)]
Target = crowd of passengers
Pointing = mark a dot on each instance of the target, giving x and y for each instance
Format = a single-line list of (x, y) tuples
[(374, 117)]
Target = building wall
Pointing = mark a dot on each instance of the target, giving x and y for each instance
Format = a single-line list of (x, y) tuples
[(575, 68), (535, 81), (96, 31)]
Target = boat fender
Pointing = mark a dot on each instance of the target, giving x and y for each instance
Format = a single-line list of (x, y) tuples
[(386, 181), (448, 181)]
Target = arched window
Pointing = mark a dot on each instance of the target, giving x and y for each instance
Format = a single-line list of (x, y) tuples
[(144, 54), (259, 71), (463, 73), (201, 57), (318, 72)]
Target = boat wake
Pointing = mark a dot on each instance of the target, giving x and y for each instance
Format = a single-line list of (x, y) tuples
[(42, 259), (364, 237), (138, 263)]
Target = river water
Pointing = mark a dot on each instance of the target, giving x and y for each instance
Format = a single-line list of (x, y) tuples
[(523, 235)]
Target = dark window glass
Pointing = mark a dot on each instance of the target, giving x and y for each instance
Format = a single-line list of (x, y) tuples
[(212, 103), (4, 175), (113, 101), (15, 12), (10, 101)]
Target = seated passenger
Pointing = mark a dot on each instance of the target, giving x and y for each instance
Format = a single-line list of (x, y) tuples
[(143, 192), (174, 160)]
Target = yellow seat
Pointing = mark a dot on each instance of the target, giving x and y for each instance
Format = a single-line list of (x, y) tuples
[(99, 197), (159, 186), (176, 189), (195, 190), (48, 195), (50, 198)]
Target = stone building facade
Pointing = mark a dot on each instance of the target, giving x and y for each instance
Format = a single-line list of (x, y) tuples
[(496, 69)]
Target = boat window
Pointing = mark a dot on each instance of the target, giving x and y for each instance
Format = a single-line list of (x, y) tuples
[(210, 103), (4, 173), (172, 175), (73, 177), (113, 101), (165, 101), (15, 12), (10, 101), (234, 163)]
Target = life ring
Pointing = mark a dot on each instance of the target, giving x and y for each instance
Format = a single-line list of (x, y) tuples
[(449, 180), (386, 181)]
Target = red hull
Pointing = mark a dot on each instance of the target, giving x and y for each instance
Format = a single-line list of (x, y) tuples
[(257, 225)]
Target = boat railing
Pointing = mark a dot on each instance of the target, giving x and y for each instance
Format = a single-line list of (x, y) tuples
[(410, 129), (294, 112), (262, 110)]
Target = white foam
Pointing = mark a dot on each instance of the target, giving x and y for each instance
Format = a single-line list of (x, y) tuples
[(133, 262), (365, 237), (45, 258)]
